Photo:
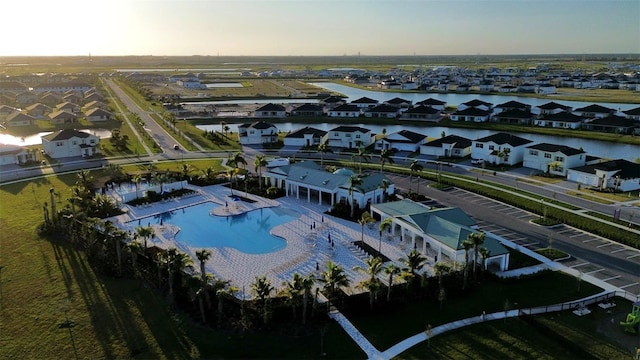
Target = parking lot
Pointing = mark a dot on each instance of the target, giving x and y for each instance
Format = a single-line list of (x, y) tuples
[(609, 261)]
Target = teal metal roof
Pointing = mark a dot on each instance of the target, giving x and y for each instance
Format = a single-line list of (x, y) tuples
[(400, 208)]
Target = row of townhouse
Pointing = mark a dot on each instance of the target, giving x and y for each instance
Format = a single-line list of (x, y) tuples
[(499, 148)]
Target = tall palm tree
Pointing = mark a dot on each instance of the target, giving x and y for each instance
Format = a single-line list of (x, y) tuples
[(137, 179), (226, 291), (293, 291), (441, 269), (208, 174), (362, 155), (414, 168), (84, 179), (384, 226), (484, 254), (185, 169), (323, 148), (477, 239), (354, 182), (195, 286), (134, 248), (146, 233), (260, 162), (238, 160), (384, 185), (203, 255), (262, 288), (176, 262), (306, 284), (414, 261), (372, 283), (467, 245), (364, 220), (385, 157), (333, 278), (391, 270)]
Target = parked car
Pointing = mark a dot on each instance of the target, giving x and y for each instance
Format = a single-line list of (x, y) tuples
[(277, 162), (477, 161)]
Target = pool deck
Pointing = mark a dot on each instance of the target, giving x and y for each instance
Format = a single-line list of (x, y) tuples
[(308, 246)]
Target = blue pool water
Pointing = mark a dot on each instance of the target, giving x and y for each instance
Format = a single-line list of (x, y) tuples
[(248, 232)]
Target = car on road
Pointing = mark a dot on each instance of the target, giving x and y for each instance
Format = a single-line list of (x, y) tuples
[(176, 147), (477, 161)]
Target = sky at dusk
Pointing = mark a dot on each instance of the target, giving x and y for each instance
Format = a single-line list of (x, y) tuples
[(314, 27)]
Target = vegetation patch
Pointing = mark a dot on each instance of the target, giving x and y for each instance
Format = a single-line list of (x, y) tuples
[(552, 254)]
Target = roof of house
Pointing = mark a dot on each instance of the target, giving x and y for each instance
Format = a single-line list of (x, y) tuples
[(398, 101), (625, 169), (61, 114), (634, 111), (476, 103), (97, 112), (553, 105), (458, 142), (271, 107), (7, 149), (504, 138), (422, 109), (309, 107), (383, 108), (333, 99), (261, 125), (300, 133), (552, 148), (515, 114), (38, 106), (364, 100), (18, 116), (514, 105), (314, 175), (350, 129), (564, 116), (401, 207), (472, 111), (409, 137), (613, 120), (594, 108), (347, 108), (66, 134), (431, 102)]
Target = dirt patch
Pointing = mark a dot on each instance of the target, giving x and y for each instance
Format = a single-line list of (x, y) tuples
[(608, 324)]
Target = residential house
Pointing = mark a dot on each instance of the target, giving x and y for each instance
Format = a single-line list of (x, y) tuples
[(486, 86), (507, 89), (308, 180), (50, 99), (633, 114), (553, 159), (349, 137), (434, 103), (612, 123), (62, 117), (561, 120), (19, 119), (257, 133), (403, 140), (364, 102), (399, 103), (70, 107), (552, 108), (93, 96), (546, 89), (38, 110), (26, 97), (448, 146), (382, 111), (61, 87), (594, 111), (512, 105), (14, 154), (332, 102), (96, 104), (618, 175), (471, 114), (73, 98), (97, 114), (500, 148), (518, 117), (422, 113), (6, 110), (438, 233), (12, 87), (345, 110), (308, 110), (475, 103), (304, 137), (69, 143), (270, 111), (7, 100)]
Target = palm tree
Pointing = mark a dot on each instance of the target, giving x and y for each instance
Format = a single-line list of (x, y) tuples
[(484, 254), (262, 288), (362, 155), (137, 179), (260, 162), (306, 284), (384, 226), (226, 291), (441, 269), (385, 157), (208, 174), (134, 248), (414, 261), (203, 255), (323, 148), (293, 290), (374, 268), (196, 289), (333, 278), (84, 179), (503, 154), (384, 185), (238, 159), (391, 270), (477, 239), (354, 182), (146, 233), (117, 236), (185, 169), (176, 262), (364, 220), (467, 245), (414, 168)]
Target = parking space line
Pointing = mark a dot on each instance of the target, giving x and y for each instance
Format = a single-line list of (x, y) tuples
[(628, 285), (590, 240), (632, 256), (518, 239), (494, 206), (576, 235), (529, 244), (604, 245), (581, 264), (612, 278), (594, 271), (524, 216), (617, 251), (512, 212)]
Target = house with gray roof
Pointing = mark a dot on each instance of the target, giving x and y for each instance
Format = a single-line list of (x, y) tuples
[(500, 148), (403, 140), (14, 154), (471, 114), (448, 146), (344, 110), (618, 175), (307, 180), (69, 143), (552, 108), (308, 110), (382, 111), (594, 111), (259, 132), (560, 120), (422, 113), (20, 119), (437, 232), (611, 124), (307, 136), (349, 137), (553, 159), (270, 111)]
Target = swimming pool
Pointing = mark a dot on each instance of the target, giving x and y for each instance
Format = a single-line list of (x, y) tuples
[(248, 232)]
